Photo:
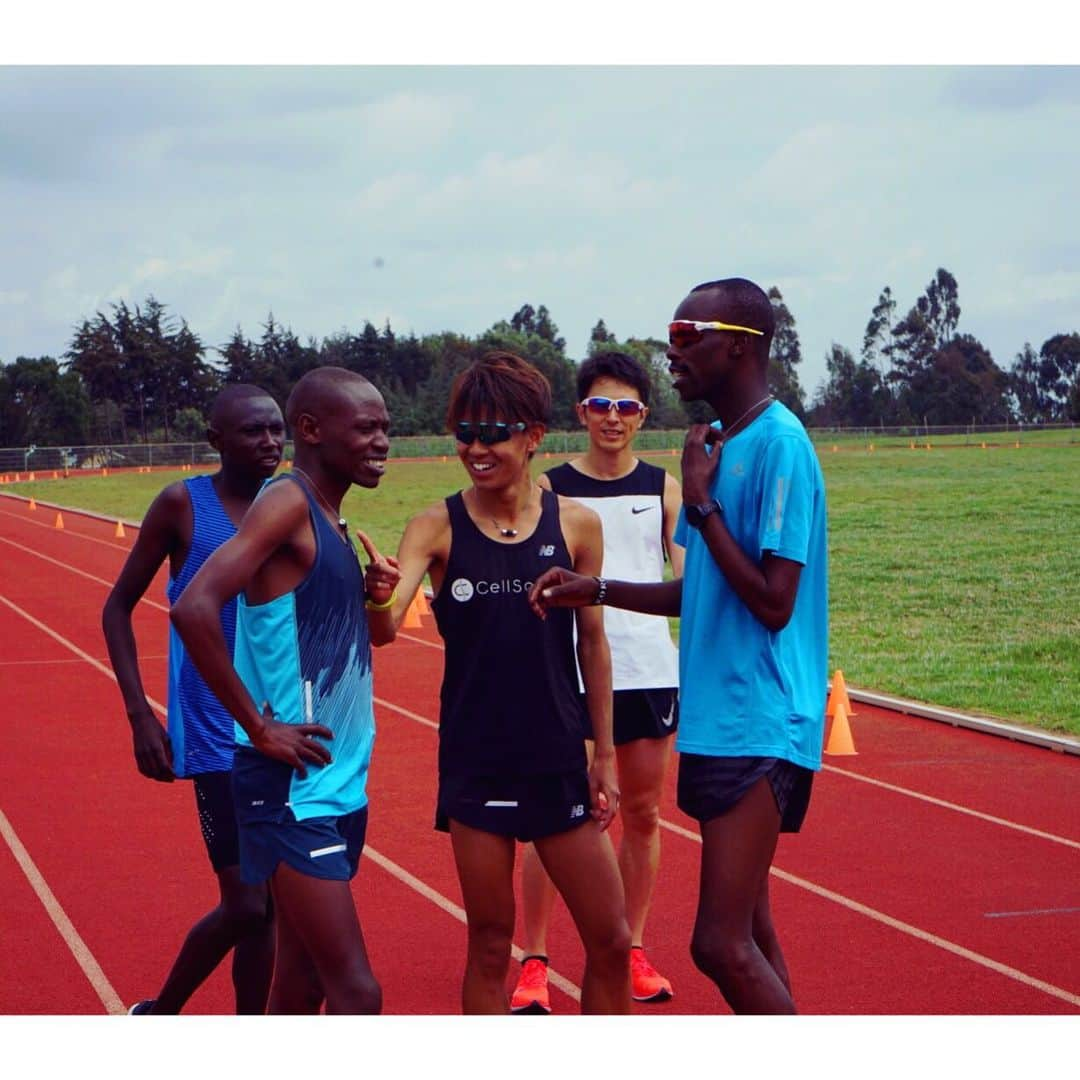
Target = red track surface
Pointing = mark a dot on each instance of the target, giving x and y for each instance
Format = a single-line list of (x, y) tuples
[(938, 871)]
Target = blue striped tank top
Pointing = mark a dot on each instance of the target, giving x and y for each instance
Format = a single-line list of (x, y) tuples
[(308, 653), (200, 728)]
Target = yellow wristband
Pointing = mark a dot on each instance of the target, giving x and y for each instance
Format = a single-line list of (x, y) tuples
[(372, 606)]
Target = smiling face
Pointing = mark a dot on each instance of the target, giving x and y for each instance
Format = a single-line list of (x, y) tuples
[(611, 431), (498, 464), (356, 435)]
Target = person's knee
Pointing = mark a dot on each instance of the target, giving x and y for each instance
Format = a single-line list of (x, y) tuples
[(247, 911), (640, 816), (490, 944), (364, 994), (610, 946), (722, 956)]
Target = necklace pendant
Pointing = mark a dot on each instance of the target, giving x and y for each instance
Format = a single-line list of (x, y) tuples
[(343, 525), (508, 533)]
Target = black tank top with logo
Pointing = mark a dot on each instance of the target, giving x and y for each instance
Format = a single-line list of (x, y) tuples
[(509, 699)]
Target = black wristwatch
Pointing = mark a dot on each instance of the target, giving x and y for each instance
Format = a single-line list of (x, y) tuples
[(696, 514)]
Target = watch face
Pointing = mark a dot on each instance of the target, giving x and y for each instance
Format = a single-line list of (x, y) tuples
[(695, 515)]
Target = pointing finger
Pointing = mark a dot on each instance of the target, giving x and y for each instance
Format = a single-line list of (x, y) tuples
[(369, 546)]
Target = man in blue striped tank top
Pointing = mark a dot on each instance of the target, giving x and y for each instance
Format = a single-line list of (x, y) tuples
[(188, 521), (299, 685), (512, 763)]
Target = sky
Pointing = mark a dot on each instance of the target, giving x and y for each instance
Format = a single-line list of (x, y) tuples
[(607, 185)]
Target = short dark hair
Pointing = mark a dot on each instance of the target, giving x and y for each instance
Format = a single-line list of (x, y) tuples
[(500, 385), (746, 304), (229, 396), (614, 365), (318, 389)]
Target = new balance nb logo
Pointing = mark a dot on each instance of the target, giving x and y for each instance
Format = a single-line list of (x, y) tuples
[(639, 509), (577, 810), (547, 549)]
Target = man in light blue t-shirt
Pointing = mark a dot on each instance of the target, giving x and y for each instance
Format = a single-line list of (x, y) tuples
[(753, 641)]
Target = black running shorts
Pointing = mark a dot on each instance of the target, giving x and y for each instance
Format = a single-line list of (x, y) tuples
[(711, 786), (524, 807)]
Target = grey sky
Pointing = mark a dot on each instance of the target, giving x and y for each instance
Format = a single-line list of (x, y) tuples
[(606, 192)]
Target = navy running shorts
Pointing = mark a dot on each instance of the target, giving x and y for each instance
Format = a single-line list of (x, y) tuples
[(321, 847), (217, 818), (524, 807), (711, 786), (641, 714)]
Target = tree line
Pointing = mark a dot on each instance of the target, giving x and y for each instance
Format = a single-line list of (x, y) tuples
[(141, 374)]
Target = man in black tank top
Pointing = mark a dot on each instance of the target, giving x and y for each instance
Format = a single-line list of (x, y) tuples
[(639, 505), (512, 762)]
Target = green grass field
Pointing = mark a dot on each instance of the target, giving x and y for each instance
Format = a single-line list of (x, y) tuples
[(954, 572)]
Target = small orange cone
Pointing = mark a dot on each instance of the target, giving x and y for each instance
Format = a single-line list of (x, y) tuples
[(838, 695), (55, 475), (32, 477), (119, 534), (59, 522), (840, 741), (33, 505), (104, 472), (421, 602), (412, 621)]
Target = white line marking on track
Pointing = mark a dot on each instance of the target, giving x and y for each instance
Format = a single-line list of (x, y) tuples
[(458, 912), (906, 928), (83, 956), (97, 664), (874, 914), (76, 570), (1036, 911), (67, 532), (953, 806), (853, 905)]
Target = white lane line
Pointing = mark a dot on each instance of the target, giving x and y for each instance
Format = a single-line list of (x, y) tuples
[(83, 956), (53, 663), (906, 928), (556, 979), (96, 664), (405, 712), (76, 570), (810, 886), (67, 531), (875, 915), (1036, 911), (458, 912), (1003, 822)]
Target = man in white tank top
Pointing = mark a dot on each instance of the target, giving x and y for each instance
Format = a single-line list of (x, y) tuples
[(638, 506)]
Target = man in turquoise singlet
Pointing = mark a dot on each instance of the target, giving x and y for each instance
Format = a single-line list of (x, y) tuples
[(300, 687)]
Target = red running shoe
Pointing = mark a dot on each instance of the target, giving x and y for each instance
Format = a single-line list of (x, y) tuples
[(531, 992), (646, 983)]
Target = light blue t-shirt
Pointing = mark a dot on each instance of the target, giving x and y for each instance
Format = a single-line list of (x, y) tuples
[(746, 691)]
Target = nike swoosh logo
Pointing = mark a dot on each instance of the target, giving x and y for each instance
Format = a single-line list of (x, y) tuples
[(639, 509)]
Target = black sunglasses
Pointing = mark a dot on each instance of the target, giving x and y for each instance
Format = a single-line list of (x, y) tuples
[(487, 433)]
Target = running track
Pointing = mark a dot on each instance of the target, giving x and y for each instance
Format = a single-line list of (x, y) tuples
[(938, 871)]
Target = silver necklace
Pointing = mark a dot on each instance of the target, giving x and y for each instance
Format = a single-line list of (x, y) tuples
[(343, 525), (507, 532), (727, 432)]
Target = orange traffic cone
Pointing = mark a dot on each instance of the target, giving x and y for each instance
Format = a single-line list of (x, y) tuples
[(412, 621), (59, 522), (421, 602), (838, 695), (119, 534), (840, 741), (33, 505), (32, 477)]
